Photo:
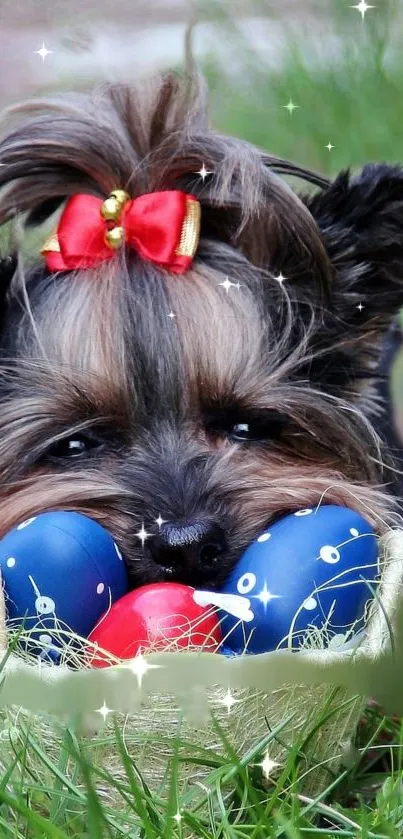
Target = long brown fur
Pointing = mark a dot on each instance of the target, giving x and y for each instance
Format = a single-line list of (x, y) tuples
[(154, 369)]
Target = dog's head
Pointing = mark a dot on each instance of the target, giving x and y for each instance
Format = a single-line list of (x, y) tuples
[(185, 412)]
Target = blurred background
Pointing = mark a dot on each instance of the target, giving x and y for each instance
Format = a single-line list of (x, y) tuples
[(316, 81), (342, 68)]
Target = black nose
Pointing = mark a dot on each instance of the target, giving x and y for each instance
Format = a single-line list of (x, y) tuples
[(182, 546)]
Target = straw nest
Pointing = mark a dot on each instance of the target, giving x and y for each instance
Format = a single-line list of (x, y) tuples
[(158, 729)]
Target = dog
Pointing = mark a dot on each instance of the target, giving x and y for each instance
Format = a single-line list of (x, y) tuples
[(186, 411)]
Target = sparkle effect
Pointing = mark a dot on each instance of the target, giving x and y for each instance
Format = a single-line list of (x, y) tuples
[(228, 701), (227, 284), (139, 666), (265, 595), (280, 278), (360, 307), (104, 711), (142, 534), (43, 52), (267, 765), (171, 315), (203, 172), (160, 520), (329, 146), (177, 817), (290, 107), (362, 8)]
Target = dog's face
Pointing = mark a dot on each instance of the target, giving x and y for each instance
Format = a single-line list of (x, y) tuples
[(183, 413), (118, 410)]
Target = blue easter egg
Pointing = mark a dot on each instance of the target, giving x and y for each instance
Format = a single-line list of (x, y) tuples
[(60, 570), (311, 569)]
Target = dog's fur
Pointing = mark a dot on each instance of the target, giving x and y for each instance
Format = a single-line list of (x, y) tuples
[(156, 401)]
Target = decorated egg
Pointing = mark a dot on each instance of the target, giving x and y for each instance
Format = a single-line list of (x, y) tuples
[(153, 617), (61, 571), (312, 570)]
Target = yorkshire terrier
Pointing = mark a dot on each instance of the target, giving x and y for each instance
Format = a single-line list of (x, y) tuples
[(188, 367)]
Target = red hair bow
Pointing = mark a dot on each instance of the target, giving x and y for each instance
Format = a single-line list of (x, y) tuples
[(163, 227)]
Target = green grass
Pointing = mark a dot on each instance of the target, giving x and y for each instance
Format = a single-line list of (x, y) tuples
[(357, 105), (44, 796)]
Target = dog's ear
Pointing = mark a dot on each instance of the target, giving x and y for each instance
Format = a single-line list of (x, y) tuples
[(360, 218)]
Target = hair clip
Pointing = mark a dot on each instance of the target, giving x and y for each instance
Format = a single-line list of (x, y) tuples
[(163, 227)]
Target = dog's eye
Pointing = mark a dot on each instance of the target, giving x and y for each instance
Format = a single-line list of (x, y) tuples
[(241, 431), (269, 426), (73, 446), (256, 430)]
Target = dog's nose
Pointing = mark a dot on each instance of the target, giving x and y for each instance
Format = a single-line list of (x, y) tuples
[(184, 545)]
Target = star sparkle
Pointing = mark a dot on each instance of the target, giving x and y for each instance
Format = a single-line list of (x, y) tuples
[(360, 307), (362, 8), (43, 52), (171, 315), (177, 817), (160, 520), (142, 534), (265, 596), (227, 284), (290, 107), (329, 146), (203, 172), (104, 711), (267, 765), (280, 278), (228, 701), (139, 666)]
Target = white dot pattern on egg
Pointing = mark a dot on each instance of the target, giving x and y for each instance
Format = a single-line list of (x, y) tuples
[(46, 639), (246, 583), (40, 557), (337, 641), (313, 564), (45, 605), (329, 554), (310, 603)]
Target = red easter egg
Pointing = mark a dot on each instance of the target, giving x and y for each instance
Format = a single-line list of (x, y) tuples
[(152, 617)]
